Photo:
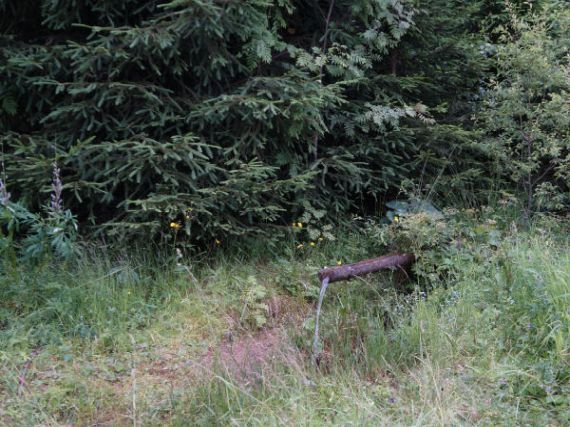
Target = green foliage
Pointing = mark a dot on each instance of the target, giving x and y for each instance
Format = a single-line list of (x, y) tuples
[(526, 113), (249, 113), (31, 237), (442, 64), (487, 345), (254, 311), (252, 114)]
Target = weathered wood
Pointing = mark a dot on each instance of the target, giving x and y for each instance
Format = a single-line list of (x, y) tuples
[(348, 271)]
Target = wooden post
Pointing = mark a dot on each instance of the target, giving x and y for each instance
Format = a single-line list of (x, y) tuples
[(348, 271)]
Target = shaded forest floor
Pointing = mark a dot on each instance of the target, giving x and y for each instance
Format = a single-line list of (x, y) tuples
[(125, 342)]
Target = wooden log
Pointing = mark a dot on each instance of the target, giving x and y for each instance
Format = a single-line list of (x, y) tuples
[(348, 271)]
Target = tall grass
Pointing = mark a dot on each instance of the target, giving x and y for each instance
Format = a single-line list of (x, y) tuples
[(125, 340)]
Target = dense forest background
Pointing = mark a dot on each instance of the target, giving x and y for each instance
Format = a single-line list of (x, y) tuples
[(237, 118)]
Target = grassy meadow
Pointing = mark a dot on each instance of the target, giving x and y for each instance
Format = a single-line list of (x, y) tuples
[(133, 339)]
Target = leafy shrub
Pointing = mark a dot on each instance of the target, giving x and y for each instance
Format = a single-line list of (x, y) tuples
[(254, 310), (526, 113), (33, 236)]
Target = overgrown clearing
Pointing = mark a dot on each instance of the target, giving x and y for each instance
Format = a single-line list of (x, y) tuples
[(116, 341), (174, 173)]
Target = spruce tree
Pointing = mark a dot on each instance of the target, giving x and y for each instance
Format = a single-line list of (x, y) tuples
[(230, 117)]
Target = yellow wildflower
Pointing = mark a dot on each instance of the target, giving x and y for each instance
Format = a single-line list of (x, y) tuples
[(313, 244), (321, 239), (339, 262), (218, 243), (175, 225), (396, 218), (300, 224)]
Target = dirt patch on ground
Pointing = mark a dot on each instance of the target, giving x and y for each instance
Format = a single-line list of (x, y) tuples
[(241, 354), (248, 358)]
